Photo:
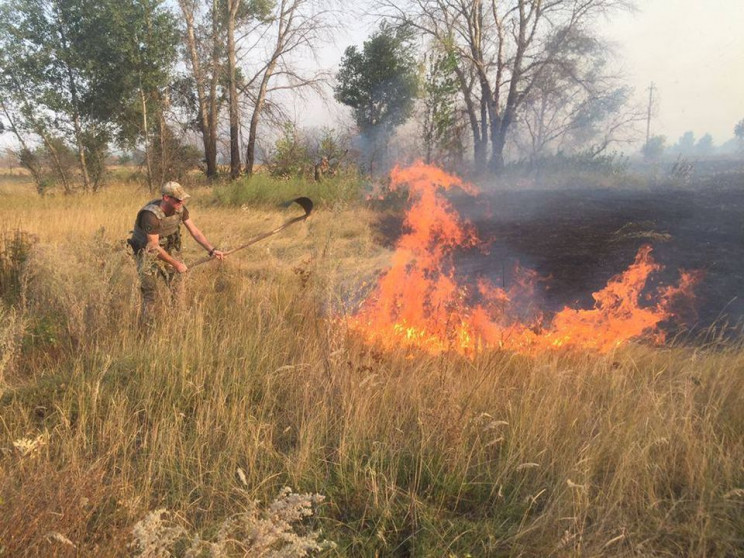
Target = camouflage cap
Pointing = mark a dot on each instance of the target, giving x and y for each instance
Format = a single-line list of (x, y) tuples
[(174, 190)]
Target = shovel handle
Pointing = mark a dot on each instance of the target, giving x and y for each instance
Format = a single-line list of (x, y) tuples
[(250, 242)]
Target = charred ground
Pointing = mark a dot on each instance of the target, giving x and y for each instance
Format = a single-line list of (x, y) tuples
[(577, 239)]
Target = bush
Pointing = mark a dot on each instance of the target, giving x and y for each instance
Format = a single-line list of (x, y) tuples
[(291, 154), (562, 170), (15, 247)]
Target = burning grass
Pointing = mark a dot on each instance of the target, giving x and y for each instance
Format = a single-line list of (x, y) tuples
[(421, 302), (255, 387)]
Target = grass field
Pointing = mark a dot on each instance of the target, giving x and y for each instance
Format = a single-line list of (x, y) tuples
[(181, 441)]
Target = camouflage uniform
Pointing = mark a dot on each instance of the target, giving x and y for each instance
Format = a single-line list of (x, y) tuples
[(155, 275)]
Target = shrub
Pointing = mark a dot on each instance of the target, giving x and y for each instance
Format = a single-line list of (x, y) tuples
[(291, 154), (15, 247)]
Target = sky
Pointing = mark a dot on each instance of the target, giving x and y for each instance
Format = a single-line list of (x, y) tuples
[(691, 50)]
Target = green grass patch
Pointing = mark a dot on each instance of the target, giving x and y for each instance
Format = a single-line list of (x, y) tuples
[(264, 190)]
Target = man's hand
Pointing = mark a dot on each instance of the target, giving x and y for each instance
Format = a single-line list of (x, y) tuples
[(180, 267), (219, 254)]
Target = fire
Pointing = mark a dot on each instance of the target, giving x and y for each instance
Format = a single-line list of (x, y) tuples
[(419, 304)]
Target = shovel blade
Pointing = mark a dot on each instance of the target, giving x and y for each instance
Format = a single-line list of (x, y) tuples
[(305, 203)]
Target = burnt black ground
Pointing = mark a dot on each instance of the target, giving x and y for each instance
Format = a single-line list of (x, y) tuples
[(579, 239)]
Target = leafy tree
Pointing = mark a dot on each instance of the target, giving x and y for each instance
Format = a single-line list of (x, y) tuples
[(653, 148), (291, 154), (442, 129), (379, 83), (73, 70), (704, 145), (137, 39), (686, 143), (739, 133), (45, 85)]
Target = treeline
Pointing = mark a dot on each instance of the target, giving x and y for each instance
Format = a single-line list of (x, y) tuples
[(192, 83), (78, 76)]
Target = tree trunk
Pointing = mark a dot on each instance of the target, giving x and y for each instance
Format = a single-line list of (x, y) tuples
[(77, 126), (146, 136), (232, 6), (250, 152), (206, 106)]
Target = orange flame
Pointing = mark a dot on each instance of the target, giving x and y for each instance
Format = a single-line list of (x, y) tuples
[(419, 304)]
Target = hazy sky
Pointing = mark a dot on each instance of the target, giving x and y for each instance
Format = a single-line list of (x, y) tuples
[(693, 52)]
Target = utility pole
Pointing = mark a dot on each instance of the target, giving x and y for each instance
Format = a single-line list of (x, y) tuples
[(648, 117)]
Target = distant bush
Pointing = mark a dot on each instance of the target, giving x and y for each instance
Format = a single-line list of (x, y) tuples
[(316, 154), (561, 170), (291, 154)]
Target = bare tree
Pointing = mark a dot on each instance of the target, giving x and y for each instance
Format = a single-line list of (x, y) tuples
[(232, 16), (204, 49), (577, 105), (296, 29), (508, 46), (246, 51)]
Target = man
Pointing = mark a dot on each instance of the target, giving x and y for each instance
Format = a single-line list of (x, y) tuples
[(156, 241)]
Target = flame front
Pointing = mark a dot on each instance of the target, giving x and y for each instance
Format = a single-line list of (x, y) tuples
[(418, 302)]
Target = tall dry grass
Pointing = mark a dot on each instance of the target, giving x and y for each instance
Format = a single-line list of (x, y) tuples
[(256, 385)]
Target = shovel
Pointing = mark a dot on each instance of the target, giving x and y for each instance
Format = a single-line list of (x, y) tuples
[(305, 203)]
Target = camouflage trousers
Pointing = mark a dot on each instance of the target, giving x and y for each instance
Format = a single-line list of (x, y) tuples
[(161, 287)]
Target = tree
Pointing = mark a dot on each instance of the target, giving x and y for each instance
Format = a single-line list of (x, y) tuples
[(239, 12), (508, 47), (576, 106), (739, 133), (379, 83), (442, 127), (704, 146), (73, 70), (296, 26), (686, 143), (138, 40), (44, 80), (653, 149), (241, 51)]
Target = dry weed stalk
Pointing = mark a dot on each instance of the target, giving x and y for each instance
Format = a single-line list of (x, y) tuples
[(274, 532)]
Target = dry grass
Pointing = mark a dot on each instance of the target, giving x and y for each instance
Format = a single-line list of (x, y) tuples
[(256, 386)]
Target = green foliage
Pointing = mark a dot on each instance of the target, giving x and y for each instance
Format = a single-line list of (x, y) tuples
[(443, 133), (334, 148), (380, 83), (53, 164), (172, 158), (80, 72), (291, 154), (264, 190), (15, 247), (95, 143)]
